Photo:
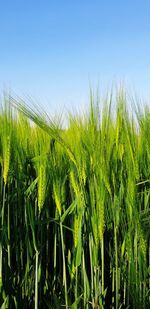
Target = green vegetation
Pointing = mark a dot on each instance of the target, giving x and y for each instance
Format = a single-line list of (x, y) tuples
[(75, 208)]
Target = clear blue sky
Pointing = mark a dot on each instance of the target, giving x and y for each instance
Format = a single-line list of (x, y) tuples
[(53, 50)]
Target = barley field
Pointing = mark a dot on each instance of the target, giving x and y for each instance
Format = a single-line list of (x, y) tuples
[(75, 207)]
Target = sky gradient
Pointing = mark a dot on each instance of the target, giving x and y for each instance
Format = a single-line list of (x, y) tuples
[(54, 50)]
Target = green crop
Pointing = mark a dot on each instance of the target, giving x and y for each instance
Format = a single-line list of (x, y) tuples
[(75, 207)]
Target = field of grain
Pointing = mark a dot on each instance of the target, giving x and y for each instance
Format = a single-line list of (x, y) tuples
[(75, 208)]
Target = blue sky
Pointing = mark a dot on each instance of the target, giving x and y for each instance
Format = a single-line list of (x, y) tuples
[(53, 50)]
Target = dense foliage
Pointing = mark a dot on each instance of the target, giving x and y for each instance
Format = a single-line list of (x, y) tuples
[(75, 208)]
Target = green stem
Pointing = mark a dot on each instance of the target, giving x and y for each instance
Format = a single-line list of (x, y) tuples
[(96, 284), (36, 280), (8, 227), (136, 259), (124, 293), (149, 265), (84, 282), (113, 288), (76, 284), (116, 266), (55, 251), (102, 261), (64, 265), (91, 266), (1, 244), (0, 267), (3, 205), (128, 290)]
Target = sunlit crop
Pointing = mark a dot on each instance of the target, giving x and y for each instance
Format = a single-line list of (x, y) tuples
[(75, 208)]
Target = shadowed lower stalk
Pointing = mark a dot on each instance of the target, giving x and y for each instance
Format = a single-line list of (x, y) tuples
[(64, 265), (76, 284), (103, 264), (84, 279), (85, 282), (0, 267), (8, 246), (124, 292), (116, 267), (1, 248), (55, 256), (128, 288), (8, 231), (36, 279), (136, 259), (113, 287), (96, 284), (91, 267), (2, 227), (149, 264)]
